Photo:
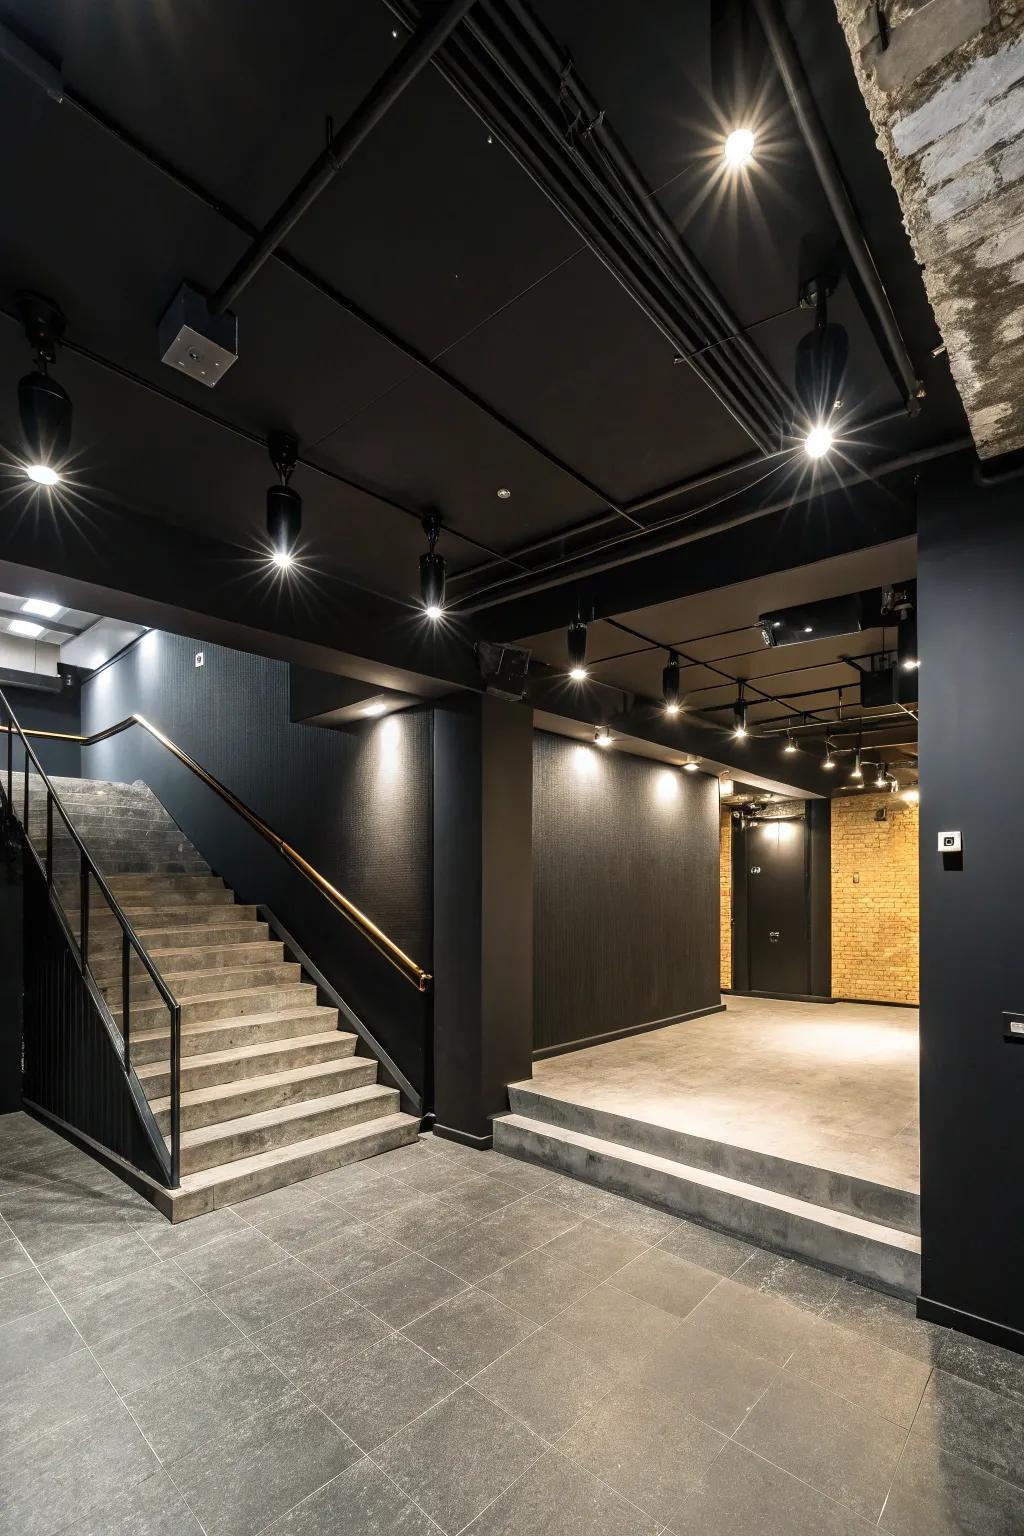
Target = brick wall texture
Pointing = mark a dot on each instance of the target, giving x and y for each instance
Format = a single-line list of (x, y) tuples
[(875, 917), (725, 834)]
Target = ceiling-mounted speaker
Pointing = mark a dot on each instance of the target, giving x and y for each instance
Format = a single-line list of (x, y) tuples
[(503, 668)]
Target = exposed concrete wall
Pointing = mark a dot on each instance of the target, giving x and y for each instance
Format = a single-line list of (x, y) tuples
[(947, 99)]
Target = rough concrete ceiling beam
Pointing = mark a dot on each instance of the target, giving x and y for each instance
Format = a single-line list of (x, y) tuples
[(944, 83)]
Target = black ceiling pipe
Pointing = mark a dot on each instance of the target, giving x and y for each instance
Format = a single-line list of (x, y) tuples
[(416, 54), (791, 71)]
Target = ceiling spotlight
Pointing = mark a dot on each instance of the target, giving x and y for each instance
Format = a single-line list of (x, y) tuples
[(790, 743), (828, 761), (906, 641), (692, 764), (43, 404), (433, 570), (857, 772), (881, 779), (576, 649), (603, 736), (503, 493), (739, 147), (818, 441), (726, 787), (284, 505), (376, 708), (24, 627), (739, 715), (670, 685), (41, 609)]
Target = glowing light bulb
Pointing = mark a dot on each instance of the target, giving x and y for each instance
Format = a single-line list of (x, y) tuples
[(671, 709), (818, 441), (42, 474), (578, 674), (433, 611), (739, 146), (282, 558)]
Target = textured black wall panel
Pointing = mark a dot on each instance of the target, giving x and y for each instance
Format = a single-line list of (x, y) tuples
[(39, 711), (626, 900), (356, 803)]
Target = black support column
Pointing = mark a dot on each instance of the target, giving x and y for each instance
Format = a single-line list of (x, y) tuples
[(483, 910)]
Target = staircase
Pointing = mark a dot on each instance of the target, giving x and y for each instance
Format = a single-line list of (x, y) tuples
[(847, 1223), (272, 1091)]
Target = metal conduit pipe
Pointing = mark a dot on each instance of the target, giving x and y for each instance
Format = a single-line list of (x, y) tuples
[(585, 567), (634, 216), (400, 73), (632, 177), (791, 71)]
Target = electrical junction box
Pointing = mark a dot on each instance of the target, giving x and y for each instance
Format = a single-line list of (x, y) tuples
[(949, 842), (194, 341), (1013, 1026)]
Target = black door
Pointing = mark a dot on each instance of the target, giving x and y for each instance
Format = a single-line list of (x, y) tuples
[(777, 915)]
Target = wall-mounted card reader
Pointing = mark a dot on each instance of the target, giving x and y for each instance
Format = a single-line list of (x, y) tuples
[(1013, 1026), (949, 842)]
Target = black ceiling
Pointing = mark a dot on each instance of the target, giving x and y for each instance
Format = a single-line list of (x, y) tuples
[(438, 235)]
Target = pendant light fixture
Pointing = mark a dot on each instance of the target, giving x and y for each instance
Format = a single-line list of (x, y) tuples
[(576, 650), (828, 761), (670, 685), (433, 570), (284, 505), (821, 358), (739, 713), (857, 772), (790, 743), (43, 405), (881, 778)]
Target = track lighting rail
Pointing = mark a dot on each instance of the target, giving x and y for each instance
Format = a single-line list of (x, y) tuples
[(391, 952)]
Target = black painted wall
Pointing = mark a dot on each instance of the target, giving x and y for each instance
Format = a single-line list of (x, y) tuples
[(355, 802), (971, 636), (626, 901), (44, 711)]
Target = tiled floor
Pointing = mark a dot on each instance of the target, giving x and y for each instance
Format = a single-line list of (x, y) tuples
[(445, 1340), (830, 1084)]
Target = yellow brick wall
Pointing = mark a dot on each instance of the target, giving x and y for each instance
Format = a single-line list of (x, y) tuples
[(725, 843), (874, 918)]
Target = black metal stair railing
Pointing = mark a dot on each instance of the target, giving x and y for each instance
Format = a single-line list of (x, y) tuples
[(78, 1068)]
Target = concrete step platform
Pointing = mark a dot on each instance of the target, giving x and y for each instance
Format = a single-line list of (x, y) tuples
[(151, 1044), (262, 1059), (879, 1255), (888, 1205), (214, 1145), (247, 1177), (250, 1096)]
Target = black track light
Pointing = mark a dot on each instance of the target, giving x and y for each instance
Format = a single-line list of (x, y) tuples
[(43, 405), (576, 650), (906, 641), (857, 771), (433, 570), (828, 761), (881, 777), (284, 505), (670, 685), (821, 358), (739, 715)]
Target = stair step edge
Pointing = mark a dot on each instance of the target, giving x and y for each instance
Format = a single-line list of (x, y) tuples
[(241, 1053), (271, 1016), (225, 1130), (244, 1085)]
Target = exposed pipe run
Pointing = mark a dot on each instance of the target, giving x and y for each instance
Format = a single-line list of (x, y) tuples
[(416, 54), (791, 71)]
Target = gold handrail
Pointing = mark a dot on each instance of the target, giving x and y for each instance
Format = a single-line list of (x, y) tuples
[(402, 962)]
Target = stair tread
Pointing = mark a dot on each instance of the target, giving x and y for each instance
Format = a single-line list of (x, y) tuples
[(296, 1151), (754, 1193), (271, 1016), (241, 1086), (245, 1053), (211, 997), (225, 1130)]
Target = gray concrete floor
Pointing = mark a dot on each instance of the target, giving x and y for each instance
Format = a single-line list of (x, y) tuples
[(830, 1084), (445, 1340)]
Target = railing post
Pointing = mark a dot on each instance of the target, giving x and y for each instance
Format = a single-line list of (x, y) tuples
[(175, 1095), (126, 996), (25, 796), (49, 841), (10, 764), (83, 887)]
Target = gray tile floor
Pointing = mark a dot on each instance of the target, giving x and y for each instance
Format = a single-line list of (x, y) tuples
[(446, 1340), (834, 1084)]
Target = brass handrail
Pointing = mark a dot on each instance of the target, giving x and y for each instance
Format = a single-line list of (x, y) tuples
[(397, 957)]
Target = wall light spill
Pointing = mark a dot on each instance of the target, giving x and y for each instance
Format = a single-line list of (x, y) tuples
[(818, 441), (739, 147)]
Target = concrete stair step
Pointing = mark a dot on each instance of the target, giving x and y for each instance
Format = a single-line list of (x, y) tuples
[(886, 1204), (202, 916), (246, 1061), (148, 898), (250, 1176), (197, 956), (214, 1145), (251, 1096), (204, 983), (200, 1009), (112, 865), (150, 1043), (880, 1255), (196, 937)]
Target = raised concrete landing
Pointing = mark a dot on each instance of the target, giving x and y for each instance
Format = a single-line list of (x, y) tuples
[(793, 1124)]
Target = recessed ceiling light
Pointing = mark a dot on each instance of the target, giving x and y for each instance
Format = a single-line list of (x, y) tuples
[(504, 493), (692, 765), (818, 442), (739, 146), (24, 627), (44, 610), (376, 708)]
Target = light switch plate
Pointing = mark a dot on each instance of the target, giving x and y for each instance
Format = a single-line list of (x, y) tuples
[(1013, 1027)]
